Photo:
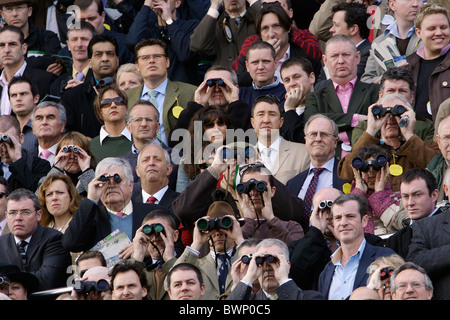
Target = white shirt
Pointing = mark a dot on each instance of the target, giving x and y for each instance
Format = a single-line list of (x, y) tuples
[(158, 195), (5, 105), (104, 134), (325, 178), (51, 158), (269, 154)]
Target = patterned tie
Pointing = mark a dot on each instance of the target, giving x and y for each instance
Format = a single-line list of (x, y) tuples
[(45, 154), (223, 272), (151, 96), (23, 258), (310, 192), (151, 199)]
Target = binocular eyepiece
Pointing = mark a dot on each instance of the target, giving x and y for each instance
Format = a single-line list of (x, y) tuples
[(325, 204), (246, 187), (212, 82), (5, 138), (379, 111), (233, 152), (116, 177), (386, 273), (150, 229), (225, 222), (363, 166), (87, 286), (69, 148), (259, 260)]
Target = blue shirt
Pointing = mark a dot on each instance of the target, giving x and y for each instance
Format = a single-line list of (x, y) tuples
[(344, 276)]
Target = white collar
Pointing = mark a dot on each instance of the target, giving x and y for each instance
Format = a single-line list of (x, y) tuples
[(104, 134)]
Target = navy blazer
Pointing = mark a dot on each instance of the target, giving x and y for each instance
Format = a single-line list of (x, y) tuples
[(370, 253), (295, 184)]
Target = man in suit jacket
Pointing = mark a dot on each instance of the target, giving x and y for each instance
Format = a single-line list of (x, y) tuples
[(108, 207), (169, 97), (283, 158), (345, 99), (12, 58), (321, 138), (44, 255), (3, 194), (216, 265), (277, 287), (349, 219)]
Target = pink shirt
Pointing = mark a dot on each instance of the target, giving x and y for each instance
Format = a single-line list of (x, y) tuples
[(344, 94)]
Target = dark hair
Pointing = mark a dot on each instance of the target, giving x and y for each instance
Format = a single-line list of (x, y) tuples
[(260, 169), (89, 254), (270, 99), (102, 38), (148, 43), (283, 18), (372, 150), (15, 29), (84, 4), (23, 193), (303, 62), (158, 213), (355, 13), (261, 45), (363, 205), (84, 25), (99, 98), (398, 73), (8, 121), (185, 267), (23, 79), (4, 182), (421, 173), (126, 266)]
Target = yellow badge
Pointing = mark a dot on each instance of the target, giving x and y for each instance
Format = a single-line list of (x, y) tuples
[(176, 111), (395, 170), (346, 187)]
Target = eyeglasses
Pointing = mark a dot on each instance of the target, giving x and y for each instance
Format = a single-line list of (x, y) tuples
[(414, 284), (25, 212), (2, 194), (313, 135), (245, 167), (106, 103), (148, 57)]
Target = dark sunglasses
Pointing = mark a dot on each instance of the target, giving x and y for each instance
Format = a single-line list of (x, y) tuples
[(107, 102), (2, 194)]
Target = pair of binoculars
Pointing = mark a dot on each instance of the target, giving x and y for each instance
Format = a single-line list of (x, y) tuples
[(212, 82), (379, 111), (259, 260), (116, 177), (246, 187), (87, 286), (325, 204), (5, 138), (205, 163), (232, 153), (386, 273), (153, 228), (204, 224), (70, 148), (363, 166)]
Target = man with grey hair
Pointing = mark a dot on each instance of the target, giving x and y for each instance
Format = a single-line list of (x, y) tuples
[(108, 207), (270, 264), (411, 282), (48, 123), (345, 98), (409, 149), (18, 166)]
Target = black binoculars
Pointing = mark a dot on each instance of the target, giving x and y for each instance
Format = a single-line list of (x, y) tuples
[(267, 257), (379, 111), (214, 81), (246, 187), (325, 204), (150, 229), (204, 224), (233, 152), (116, 177), (4, 281), (5, 138), (246, 258), (87, 286), (363, 166), (69, 148), (105, 82), (205, 163), (386, 273)]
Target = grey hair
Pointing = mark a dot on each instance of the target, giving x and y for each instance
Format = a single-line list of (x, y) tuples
[(112, 162), (271, 242), (142, 102), (340, 38), (318, 115), (393, 96), (166, 154), (411, 266), (61, 110)]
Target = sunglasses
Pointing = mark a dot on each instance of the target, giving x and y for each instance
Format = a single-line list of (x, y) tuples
[(107, 102), (2, 194)]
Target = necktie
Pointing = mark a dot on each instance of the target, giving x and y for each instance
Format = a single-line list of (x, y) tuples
[(311, 191), (273, 297), (121, 214), (23, 258), (223, 272), (151, 199), (45, 154), (151, 96), (79, 76)]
